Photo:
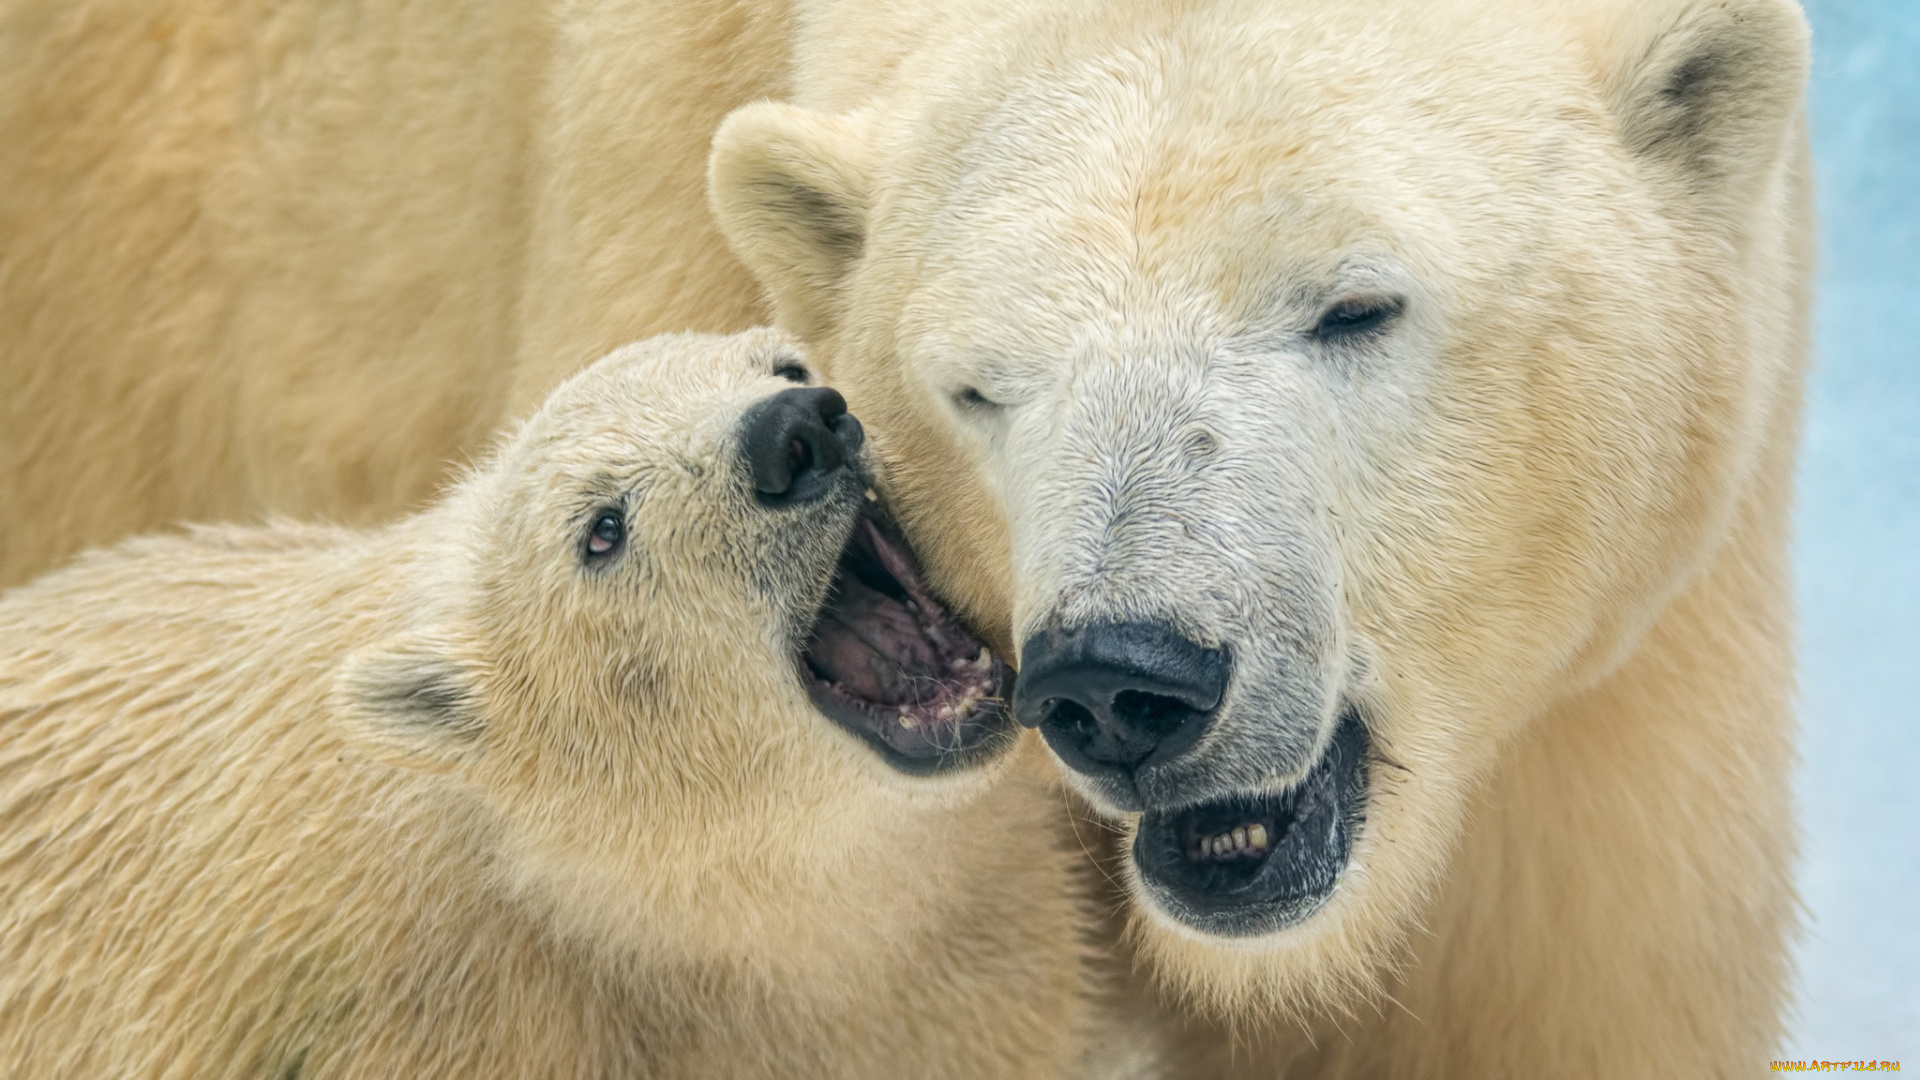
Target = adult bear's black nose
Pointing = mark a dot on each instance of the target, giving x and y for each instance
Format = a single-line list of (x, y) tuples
[(796, 442), (1111, 698)]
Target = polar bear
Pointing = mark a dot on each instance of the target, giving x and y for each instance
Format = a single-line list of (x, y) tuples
[(1374, 424), (538, 782), (1511, 297)]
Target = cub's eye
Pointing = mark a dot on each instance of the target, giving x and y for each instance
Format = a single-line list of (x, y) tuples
[(608, 532), (792, 373), (1351, 318)]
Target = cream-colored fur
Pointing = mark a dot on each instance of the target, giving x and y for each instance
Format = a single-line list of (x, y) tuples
[(445, 799), (1075, 263), (289, 257), (1561, 512)]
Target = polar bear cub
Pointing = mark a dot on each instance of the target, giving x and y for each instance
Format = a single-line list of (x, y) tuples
[(644, 752)]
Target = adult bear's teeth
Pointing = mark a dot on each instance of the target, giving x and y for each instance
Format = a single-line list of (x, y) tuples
[(907, 721), (1243, 840)]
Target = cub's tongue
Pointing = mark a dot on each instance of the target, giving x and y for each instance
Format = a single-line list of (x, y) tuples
[(869, 644), (891, 664)]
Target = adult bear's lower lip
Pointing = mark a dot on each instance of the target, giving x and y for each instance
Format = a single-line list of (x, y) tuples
[(888, 662), (1252, 864)]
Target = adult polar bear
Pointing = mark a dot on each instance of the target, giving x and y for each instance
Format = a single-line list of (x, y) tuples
[(1476, 333), (1390, 410)]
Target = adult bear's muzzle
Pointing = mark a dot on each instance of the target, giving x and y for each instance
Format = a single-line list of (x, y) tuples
[(1116, 698)]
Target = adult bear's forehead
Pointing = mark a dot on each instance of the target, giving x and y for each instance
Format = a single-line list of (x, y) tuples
[(1214, 168), (1236, 103)]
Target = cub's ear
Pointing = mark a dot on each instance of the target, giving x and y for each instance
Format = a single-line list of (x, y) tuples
[(789, 189), (1710, 90), (413, 700)]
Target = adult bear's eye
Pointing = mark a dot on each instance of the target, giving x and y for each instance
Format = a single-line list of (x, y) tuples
[(791, 372), (973, 401), (1350, 318), (609, 530)]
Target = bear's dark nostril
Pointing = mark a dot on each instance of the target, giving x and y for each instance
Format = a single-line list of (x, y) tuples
[(852, 435), (1114, 698), (796, 442), (1153, 711), (1073, 717)]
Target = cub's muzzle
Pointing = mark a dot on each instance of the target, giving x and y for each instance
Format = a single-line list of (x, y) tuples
[(796, 442)]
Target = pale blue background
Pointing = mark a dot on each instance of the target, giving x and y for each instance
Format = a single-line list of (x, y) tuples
[(1859, 548)]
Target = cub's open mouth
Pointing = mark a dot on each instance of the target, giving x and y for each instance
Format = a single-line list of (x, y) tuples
[(1249, 865), (891, 664)]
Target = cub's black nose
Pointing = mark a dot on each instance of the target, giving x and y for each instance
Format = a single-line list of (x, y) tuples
[(1111, 698), (796, 442)]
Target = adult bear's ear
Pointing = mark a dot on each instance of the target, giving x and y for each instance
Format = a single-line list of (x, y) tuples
[(1709, 91), (413, 700), (789, 189)]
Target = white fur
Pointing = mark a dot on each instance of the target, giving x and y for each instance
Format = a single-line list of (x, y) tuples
[(1096, 245), (447, 799)]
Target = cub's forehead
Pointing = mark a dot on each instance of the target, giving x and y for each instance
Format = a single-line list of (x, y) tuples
[(665, 397), (672, 370), (665, 383)]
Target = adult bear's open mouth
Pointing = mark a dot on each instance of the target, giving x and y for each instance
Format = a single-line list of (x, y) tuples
[(1249, 865), (891, 664)]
